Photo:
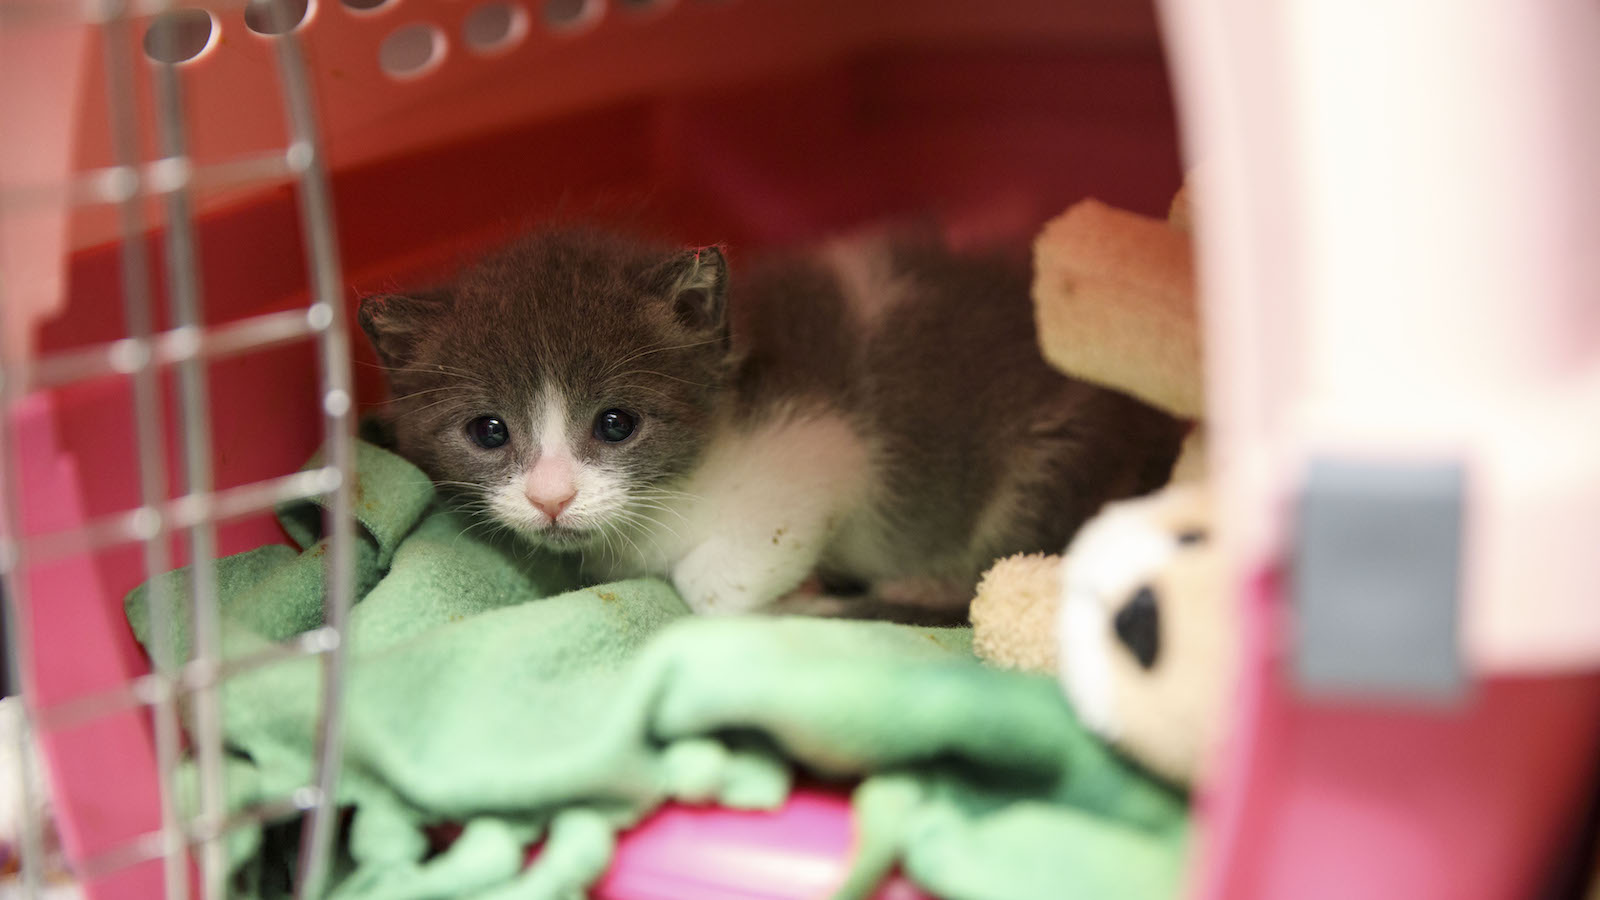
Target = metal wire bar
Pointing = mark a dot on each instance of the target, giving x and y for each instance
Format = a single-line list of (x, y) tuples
[(141, 849), (115, 36), (129, 356), (183, 297), (186, 346), (149, 690), (146, 690), (322, 249), (127, 180), (148, 846), (189, 511)]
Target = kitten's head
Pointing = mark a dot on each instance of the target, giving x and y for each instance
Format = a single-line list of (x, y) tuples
[(559, 386)]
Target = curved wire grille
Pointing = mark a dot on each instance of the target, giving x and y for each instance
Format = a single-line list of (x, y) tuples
[(142, 355)]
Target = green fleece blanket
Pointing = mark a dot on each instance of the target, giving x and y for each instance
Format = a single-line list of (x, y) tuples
[(484, 691)]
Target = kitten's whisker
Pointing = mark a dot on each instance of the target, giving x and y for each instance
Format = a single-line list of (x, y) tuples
[(646, 525), (412, 412), (659, 375), (657, 492), (641, 528), (624, 536), (658, 393), (472, 523), (401, 397), (431, 369), (605, 536), (645, 522), (632, 543), (436, 372), (651, 504), (446, 481), (640, 354)]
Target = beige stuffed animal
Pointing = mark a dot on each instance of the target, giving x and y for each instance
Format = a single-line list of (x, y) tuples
[(1133, 619)]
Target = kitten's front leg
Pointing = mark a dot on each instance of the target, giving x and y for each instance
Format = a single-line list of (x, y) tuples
[(768, 500), (750, 565)]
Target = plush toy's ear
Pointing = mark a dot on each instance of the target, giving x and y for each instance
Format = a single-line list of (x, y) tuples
[(1115, 304), (695, 283), (394, 322)]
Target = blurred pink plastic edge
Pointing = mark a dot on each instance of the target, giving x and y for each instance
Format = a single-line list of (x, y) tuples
[(1397, 215), (801, 850), (1326, 802), (40, 72), (113, 799)]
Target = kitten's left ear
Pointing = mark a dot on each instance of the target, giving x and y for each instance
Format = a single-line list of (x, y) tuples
[(696, 283), (394, 323)]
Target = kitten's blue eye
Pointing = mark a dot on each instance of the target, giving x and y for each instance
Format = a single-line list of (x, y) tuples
[(613, 426), (488, 432)]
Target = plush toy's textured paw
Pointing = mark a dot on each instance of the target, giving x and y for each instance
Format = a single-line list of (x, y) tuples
[(1014, 612)]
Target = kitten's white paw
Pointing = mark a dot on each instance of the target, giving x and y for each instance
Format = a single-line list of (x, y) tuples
[(709, 580)]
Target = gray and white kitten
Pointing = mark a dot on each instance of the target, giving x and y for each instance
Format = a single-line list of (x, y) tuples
[(876, 412)]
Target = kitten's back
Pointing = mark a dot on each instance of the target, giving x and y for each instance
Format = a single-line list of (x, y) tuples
[(980, 449)]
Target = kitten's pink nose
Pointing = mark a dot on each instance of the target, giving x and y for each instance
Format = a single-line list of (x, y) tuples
[(552, 507), (551, 485)]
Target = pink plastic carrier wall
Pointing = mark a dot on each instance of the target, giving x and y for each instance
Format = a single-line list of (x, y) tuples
[(761, 122)]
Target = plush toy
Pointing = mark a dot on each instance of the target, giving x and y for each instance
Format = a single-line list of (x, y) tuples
[(1133, 618)]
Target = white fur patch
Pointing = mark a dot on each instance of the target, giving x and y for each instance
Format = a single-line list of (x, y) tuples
[(550, 421), (1115, 553), (765, 503)]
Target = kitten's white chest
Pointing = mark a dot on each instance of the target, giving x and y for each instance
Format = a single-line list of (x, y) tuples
[(749, 524)]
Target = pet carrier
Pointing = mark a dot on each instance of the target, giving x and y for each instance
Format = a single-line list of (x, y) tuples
[(1399, 263)]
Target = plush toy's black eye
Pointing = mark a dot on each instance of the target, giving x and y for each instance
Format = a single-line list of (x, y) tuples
[(488, 432), (614, 426)]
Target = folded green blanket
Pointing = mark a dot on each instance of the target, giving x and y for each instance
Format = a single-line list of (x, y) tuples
[(479, 693)]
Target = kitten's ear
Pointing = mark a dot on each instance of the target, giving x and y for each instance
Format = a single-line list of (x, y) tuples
[(393, 322), (696, 283)]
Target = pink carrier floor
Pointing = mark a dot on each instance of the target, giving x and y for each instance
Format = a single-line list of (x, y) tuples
[(1400, 252)]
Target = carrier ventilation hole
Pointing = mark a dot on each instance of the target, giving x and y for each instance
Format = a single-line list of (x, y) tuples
[(363, 5), (494, 26), (411, 51), (260, 17), (571, 15), (179, 36)]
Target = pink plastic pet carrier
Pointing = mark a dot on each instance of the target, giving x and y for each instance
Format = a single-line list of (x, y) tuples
[(1400, 264)]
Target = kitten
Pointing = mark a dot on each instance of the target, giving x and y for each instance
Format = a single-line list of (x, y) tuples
[(876, 412)]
